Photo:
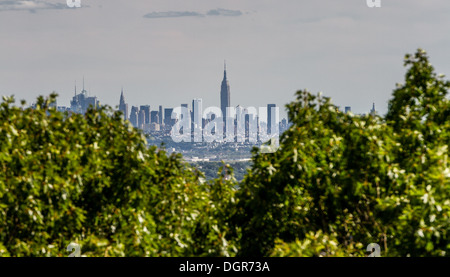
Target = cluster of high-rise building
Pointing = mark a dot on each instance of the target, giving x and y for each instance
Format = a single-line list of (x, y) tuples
[(373, 111), (160, 119), (80, 102), (141, 117)]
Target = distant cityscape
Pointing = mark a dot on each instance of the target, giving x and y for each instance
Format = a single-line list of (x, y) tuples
[(157, 124)]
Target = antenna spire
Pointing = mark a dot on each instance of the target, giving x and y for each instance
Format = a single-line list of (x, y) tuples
[(224, 69)]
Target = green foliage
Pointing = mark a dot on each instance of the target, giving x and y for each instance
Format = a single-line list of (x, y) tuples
[(355, 179), (92, 180), (420, 116), (210, 168), (221, 236), (316, 245)]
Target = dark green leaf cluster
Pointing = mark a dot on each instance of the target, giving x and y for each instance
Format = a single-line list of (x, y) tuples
[(349, 181), (91, 179)]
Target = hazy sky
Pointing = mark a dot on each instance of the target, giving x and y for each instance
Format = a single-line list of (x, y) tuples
[(171, 51)]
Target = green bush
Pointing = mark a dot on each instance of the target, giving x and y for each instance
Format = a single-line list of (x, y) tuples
[(92, 180), (355, 179)]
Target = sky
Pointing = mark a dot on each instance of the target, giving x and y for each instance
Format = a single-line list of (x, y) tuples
[(168, 52)]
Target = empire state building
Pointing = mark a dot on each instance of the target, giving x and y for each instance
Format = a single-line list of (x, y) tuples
[(225, 94)]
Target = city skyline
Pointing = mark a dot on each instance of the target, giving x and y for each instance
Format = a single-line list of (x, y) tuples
[(164, 50), (196, 112), (140, 115), (240, 124)]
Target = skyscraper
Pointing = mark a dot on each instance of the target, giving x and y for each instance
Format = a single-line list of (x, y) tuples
[(197, 112), (75, 105), (373, 111), (91, 102), (270, 116), (123, 107), (146, 109), (240, 123), (225, 94), (154, 115), (168, 121), (141, 119), (197, 120), (81, 102), (348, 109), (160, 115), (134, 116)]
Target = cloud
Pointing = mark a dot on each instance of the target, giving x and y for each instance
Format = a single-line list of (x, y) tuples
[(31, 5), (224, 12), (172, 14), (215, 12)]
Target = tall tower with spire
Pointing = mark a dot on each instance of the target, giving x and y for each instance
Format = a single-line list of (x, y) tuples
[(123, 107), (225, 94), (373, 111), (81, 102)]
